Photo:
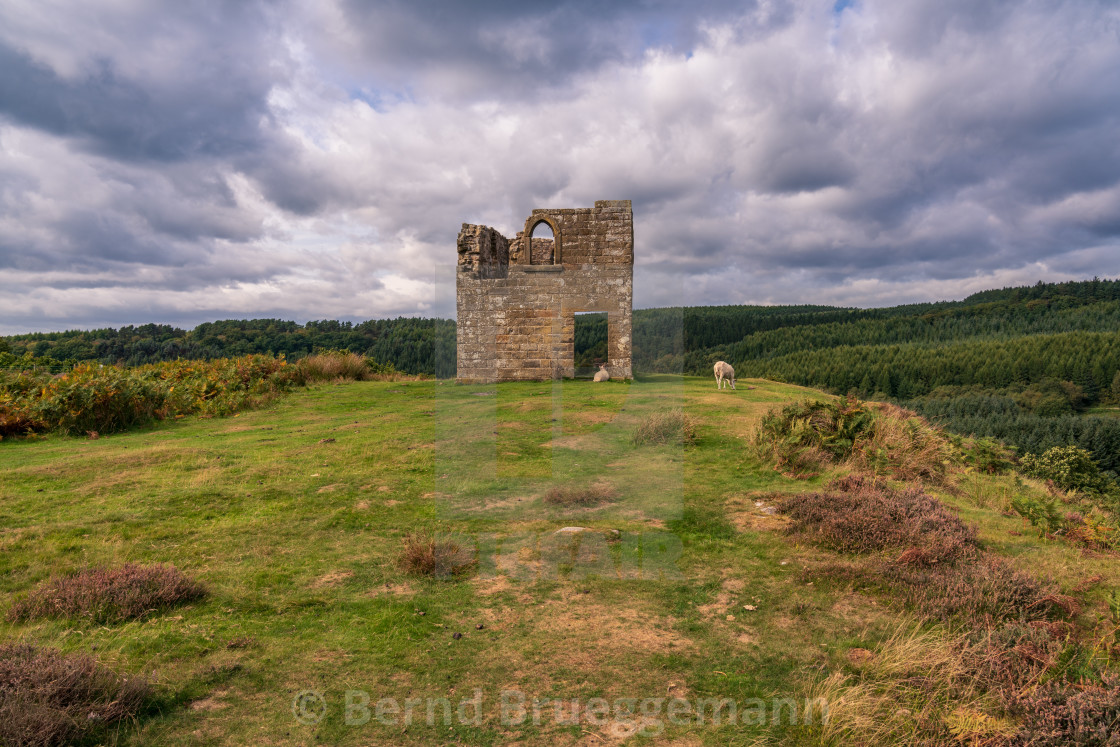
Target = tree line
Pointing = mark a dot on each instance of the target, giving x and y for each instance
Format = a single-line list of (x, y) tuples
[(1045, 352), (412, 345)]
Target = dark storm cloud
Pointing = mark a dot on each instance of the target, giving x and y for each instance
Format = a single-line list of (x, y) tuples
[(497, 48), (208, 115)]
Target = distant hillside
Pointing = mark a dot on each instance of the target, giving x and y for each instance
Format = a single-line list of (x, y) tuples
[(1022, 364)]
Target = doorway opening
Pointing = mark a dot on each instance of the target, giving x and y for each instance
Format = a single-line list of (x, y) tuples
[(591, 338)]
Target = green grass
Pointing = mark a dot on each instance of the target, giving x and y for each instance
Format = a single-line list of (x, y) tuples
[(1107, 410), (297, 539)]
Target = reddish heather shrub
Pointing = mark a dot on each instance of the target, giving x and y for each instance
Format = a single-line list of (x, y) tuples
[(988, 591), (860, 515), (49, 698), (107, 595), (984, 593), (1063, 714), (1007, 660)]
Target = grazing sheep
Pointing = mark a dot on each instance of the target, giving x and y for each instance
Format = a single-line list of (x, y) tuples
[(724, 373), (601, 374)]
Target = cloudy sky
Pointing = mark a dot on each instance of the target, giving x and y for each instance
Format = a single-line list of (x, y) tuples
[(181, 162)]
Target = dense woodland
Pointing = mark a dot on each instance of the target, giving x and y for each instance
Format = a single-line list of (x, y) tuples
[(1022, 364), (412, 345)]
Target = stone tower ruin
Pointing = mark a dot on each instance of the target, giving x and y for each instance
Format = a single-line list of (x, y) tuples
[(516, 299)]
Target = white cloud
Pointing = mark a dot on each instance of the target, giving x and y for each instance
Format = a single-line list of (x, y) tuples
[(893, 153)]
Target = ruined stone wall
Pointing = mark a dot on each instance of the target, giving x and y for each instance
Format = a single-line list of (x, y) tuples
[(484, 250), (542, 250), (516, 317)]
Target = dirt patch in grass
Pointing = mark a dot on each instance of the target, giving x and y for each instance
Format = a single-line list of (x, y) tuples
[(580, 419), (48, 698), (470, 505), (210, 703), (590, 629), (392, 589), (491, 585), (857, 610), (109, 595), (332, 579), (594, 494), (718, 607), (206, 476), (137, 459), (754, 512), (577, 637), (859, 656)]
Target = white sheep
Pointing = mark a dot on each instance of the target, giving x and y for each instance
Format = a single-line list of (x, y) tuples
[(601, 374), (724, 373)]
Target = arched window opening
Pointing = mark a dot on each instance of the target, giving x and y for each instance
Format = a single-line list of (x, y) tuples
[(542, 245)]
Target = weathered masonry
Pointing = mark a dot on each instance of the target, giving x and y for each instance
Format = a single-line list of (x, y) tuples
[(517, 299)]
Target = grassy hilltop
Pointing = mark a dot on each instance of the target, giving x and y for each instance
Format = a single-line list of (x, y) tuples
[(311, 524)]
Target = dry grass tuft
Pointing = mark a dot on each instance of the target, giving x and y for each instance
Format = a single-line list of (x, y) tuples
[(109, 595), (332, 367), (667, 427), (805, 437), (917, 689), (440, 557), (342, 365), (904, 445), (48, 698), (924, 687), (592, 495)]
